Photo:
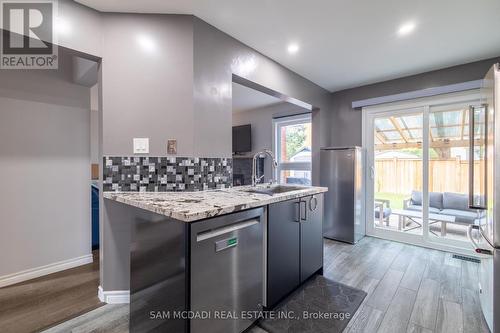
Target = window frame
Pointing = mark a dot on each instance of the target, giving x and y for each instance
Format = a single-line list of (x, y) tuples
[(278, 123)]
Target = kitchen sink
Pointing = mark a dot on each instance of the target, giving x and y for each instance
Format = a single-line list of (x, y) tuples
[(273, 189)]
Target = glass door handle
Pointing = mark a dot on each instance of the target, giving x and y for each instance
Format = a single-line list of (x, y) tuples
[(471, 155)]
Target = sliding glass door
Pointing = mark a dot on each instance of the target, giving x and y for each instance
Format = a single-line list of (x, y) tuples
[(418, 158), (397, 171)]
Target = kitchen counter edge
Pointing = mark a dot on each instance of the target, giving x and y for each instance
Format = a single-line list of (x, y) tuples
[(195, 206)]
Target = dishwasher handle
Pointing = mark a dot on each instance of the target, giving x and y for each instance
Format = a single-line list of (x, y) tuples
[(204, 235)]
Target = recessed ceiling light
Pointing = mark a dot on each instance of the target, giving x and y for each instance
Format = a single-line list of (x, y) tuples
[(406, 28), (293, 48)]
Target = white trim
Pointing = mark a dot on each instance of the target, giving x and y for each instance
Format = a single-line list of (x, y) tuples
[(36, 272), (461, 97), (434, 91), (113, 296), (416, 240), (287, 121), (425, 173), (295, 166)]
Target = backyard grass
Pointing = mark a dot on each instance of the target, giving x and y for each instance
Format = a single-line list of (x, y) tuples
[(396, 199)]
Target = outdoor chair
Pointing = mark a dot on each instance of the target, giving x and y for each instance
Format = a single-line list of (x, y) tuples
[(386, 211)]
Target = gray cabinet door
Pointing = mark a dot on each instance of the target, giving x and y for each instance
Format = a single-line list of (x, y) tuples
[(283, 252), (311, 235)]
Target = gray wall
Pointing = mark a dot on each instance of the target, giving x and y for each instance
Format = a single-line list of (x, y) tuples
[(147, 92), (82, 28), (79, 28), (45, 163), (261, 120), (346, 122)]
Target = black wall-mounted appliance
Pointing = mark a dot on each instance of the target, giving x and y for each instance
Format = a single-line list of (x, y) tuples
[(242, 139)]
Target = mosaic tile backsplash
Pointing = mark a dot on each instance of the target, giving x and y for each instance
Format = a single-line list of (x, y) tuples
[(161, 174), (242, 170)]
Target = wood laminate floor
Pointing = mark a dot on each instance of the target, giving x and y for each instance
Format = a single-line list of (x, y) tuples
[(36, 304), (410, 289)]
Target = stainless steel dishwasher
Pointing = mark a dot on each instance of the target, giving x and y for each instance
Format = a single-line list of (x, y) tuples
[(226, 271)]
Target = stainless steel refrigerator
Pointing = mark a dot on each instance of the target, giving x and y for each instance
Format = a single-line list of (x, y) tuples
[(342, 172), (485, 234)]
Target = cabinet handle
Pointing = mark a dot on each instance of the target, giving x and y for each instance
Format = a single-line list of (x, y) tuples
[(305, 210), (297, 211), (315, 200)]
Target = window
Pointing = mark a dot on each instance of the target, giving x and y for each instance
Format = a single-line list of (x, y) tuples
[(292, 148)]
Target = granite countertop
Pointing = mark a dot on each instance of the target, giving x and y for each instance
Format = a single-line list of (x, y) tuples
[(193, 206)]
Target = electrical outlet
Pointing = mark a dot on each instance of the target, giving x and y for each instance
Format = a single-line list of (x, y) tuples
[(141, 145), (172, 147)]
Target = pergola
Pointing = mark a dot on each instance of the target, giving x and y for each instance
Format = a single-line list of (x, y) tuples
[(447, 129)]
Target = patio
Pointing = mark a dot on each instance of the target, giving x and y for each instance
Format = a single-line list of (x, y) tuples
[(453, 231)]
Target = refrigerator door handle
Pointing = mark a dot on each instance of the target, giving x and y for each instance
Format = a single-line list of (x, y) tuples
[(477, 248), (372, 172), (472, 131)]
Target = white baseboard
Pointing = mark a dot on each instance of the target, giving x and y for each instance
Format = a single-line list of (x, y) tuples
[(113, 296), (33, 273)]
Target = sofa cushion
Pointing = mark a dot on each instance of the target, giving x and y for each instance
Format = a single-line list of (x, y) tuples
[(416, 198), (456, 201), (435, 199), (461, 215), (419, 208)]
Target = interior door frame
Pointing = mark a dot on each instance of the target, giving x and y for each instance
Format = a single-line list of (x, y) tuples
[(397, 108)]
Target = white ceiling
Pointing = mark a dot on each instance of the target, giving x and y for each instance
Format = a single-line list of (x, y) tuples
[(343, 43), (245, 99)]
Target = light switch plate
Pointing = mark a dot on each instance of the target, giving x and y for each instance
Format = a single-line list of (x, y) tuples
[(141, 145)]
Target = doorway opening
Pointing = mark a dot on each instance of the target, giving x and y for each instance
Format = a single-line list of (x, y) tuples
[(45, 116)]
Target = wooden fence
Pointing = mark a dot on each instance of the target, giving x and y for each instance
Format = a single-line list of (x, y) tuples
[(401, 176)]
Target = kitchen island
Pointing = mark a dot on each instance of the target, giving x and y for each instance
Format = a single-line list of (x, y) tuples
[(199, 259)]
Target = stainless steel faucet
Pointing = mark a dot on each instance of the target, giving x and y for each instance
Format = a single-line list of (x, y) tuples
[(255, 179)]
